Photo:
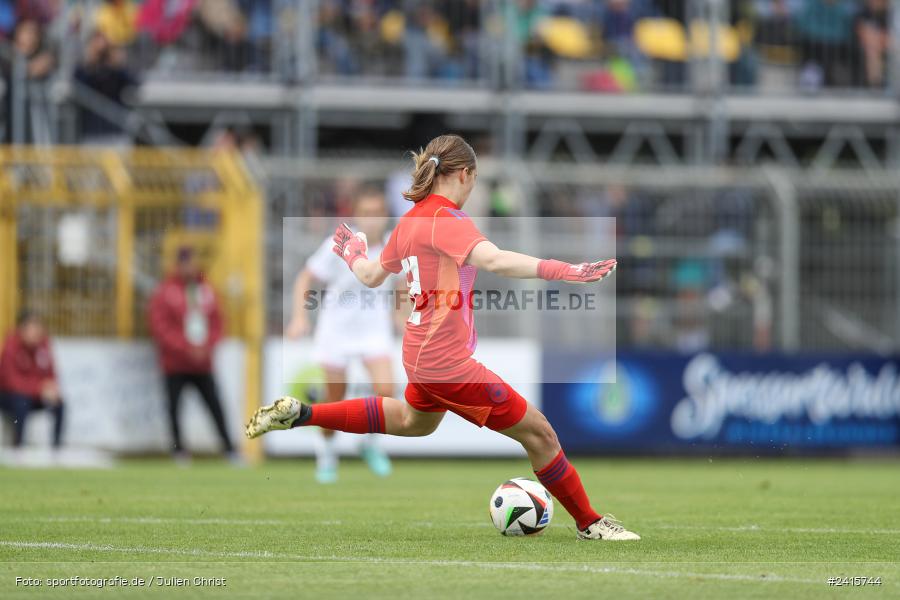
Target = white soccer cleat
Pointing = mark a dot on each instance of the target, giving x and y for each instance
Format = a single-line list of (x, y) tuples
[(280, 415), (609, 529)]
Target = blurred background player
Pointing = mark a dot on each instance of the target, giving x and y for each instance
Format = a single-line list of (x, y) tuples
[(27, 377), (186, 323), (353, 322)]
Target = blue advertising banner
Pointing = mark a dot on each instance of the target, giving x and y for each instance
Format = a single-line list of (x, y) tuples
[(728, 402)]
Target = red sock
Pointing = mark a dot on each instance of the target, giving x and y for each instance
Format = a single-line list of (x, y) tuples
[(563, 481), (359, 415)]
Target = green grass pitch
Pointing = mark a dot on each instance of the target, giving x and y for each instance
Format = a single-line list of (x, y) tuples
[(712, 529)]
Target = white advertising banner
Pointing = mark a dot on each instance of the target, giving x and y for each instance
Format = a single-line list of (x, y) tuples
[(115, 400), (518, 361)]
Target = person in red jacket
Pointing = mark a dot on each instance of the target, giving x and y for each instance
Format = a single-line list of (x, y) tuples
[(27, 378), (186, 323)]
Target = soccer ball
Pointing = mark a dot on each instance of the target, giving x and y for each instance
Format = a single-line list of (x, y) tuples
[(521, 506)]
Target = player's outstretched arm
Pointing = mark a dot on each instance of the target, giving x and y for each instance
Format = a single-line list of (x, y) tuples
[(353, 248), (489, 257)]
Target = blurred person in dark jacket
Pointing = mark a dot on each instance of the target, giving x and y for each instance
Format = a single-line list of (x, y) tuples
[(186, 322), (27, 377), (103, 72)]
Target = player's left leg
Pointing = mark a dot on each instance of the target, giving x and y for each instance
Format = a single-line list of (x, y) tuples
[(555, 472), (382, 378)]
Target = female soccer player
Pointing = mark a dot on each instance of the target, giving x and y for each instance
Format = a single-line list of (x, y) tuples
[(359, 328), (439, 249)]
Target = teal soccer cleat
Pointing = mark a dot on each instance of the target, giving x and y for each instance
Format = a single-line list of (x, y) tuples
[(378, 461)]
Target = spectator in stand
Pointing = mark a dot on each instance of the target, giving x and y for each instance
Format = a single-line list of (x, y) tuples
[(260, 26), (248, 143), (41, 11), (374, 56), (240, 138), (826, 50), (774, 21), (537, 66), (335, 55), (692, 332), (874, 34), (165, 20), (29, 41), (104, 73), (186, 322), (224, 139), (464, 20), (424, 45), (617, 25), (38, 62), (743, 71), (116, 20), (617, 28), (7, 18), (225, 22), (162, 27), (27, 378)]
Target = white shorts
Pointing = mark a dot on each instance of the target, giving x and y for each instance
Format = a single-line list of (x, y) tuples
[(332, 353)]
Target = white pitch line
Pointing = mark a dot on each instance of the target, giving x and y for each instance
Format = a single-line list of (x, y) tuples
[(236, 522), (758, 529), (643, 572), (173, 520), (135, 549), (262, 522), (558, 567)]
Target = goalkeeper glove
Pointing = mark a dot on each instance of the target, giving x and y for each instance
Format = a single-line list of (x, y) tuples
[(350, 246), (581, 273)]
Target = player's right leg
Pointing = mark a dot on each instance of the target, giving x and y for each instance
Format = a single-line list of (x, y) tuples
[(375, 414), (555, 472)]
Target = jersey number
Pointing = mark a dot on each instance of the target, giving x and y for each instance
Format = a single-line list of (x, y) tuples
[(411, 270)]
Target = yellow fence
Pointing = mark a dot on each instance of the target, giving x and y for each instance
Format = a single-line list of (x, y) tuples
[(86, 234)]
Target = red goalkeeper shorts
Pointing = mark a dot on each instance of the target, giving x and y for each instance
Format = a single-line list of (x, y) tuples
[(475, 393)]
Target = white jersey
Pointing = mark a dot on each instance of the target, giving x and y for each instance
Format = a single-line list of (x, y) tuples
[(353, 320)]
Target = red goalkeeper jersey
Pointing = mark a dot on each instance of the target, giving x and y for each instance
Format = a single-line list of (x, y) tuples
[(430, 245)]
